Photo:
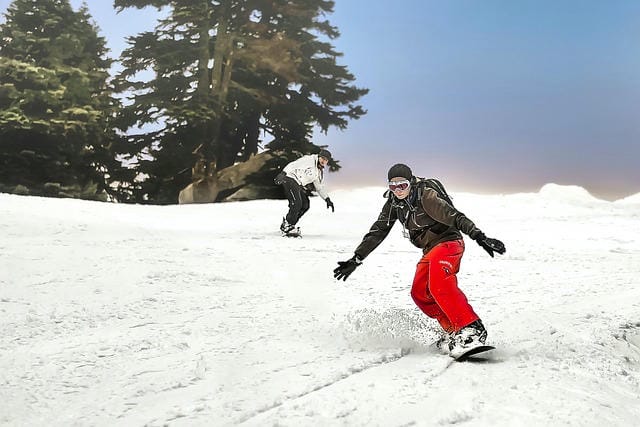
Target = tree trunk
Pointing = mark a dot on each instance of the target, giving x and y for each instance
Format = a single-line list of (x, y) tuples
[(219, 52), (233, 177), (226, 74), (253, 134), (203, 55)]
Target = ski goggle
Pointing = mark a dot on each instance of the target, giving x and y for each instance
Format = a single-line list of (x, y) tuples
[(399, 185)]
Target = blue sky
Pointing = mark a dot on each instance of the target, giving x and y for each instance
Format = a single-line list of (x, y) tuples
[(496, 95), (490, 96)]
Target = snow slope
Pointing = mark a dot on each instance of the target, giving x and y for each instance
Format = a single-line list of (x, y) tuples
[(203, 315)]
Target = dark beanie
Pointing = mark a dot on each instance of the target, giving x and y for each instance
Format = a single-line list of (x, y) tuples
[(400, 169), (325, 153)]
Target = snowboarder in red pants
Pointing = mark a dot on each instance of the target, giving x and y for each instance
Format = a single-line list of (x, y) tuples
[(430, 221)]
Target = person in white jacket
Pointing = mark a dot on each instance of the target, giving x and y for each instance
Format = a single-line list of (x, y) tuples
[(294, 177)]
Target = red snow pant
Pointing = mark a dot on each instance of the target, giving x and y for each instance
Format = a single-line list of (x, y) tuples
[(435, 287)]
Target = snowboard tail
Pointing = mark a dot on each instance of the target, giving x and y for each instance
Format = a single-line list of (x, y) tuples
[(471, 352)]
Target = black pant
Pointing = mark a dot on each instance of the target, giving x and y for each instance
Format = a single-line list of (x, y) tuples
[(298, 199)]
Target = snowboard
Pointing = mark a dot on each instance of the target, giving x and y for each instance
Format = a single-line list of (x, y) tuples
[(472, 351), (293, 233)]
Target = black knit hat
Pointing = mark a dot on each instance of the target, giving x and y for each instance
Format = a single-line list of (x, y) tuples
[(400, 170), (325, 153)]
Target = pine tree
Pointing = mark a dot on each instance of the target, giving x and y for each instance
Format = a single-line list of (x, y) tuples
[(226, 73), (55, 105)]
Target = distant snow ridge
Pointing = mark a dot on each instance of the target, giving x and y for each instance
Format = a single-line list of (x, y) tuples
[(567, 193), (369, 329), (630, 200)]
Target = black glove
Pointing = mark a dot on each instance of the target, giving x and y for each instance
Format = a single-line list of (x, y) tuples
[(488, 244), (330, 204), (345, 268)]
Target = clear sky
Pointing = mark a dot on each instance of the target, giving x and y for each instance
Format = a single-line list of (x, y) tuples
[(489, 96)]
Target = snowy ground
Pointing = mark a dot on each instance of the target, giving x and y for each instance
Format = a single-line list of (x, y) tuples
[(203, 315)]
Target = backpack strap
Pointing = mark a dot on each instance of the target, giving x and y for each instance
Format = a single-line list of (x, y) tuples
[(436, 185)]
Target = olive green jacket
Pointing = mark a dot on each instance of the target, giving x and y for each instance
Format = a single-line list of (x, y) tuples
[(426, 219)]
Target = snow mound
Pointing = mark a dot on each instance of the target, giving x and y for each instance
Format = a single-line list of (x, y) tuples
[(567, 193), (630, 200)]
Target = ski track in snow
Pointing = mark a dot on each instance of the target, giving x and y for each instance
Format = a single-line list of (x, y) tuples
[(390, 358), (205, 315)]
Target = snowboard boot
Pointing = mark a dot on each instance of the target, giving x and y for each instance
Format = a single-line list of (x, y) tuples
[(285, 227), (472, 335)]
